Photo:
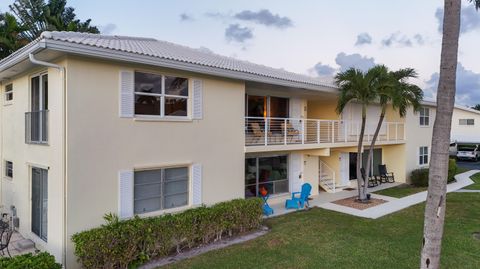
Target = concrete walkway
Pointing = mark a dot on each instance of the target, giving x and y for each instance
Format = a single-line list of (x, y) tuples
[(394, 205), (467, 190)]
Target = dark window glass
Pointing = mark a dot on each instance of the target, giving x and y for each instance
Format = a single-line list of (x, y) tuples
[(35, 93), (278, 107), (147, 105), (9, 92), (256, 106), (9, 169), (272, 175), (176, 86), (175, 106), (45, 92), (39, 202), (148, 83)]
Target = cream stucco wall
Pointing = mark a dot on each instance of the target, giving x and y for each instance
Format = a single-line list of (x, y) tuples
[(465, 133), (417, 136), (17, 191), (100, 143)]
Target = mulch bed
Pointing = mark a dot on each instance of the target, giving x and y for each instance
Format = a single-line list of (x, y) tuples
[(354, 203)]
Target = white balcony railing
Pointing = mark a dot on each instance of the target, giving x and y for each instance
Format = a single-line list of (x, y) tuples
[(261, 131)]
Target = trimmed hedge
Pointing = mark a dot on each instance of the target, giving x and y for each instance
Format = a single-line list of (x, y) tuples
[(42, 260), (120, 244), (419, 177)]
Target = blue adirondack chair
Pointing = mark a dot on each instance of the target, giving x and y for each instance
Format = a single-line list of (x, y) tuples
[(299, 199)]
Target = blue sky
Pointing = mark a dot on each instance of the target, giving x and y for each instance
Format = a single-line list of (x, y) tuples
[(316, 38)]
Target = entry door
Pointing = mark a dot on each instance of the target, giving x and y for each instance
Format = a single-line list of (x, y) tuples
[(39, 202), (344, 169)]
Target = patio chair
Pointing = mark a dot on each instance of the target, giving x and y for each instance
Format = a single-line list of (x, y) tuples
[(257, 132), (385, 175), (300, 201), (292, 133), (5, 241), (372, 181)]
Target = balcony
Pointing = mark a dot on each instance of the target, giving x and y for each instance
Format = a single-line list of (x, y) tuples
[(36, 127), (261, 131)]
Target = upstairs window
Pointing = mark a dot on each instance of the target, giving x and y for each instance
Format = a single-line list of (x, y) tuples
[(466, 121), (424, 116), (160, 95), (9, 93), (9, 169)]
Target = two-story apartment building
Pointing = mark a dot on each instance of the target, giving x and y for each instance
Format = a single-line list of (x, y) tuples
[(92, 124)]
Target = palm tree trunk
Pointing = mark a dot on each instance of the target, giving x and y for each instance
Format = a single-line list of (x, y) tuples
[(372, 144), (361, 192), (436, 200)]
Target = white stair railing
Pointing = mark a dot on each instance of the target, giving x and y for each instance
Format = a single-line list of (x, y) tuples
[(326, 177)]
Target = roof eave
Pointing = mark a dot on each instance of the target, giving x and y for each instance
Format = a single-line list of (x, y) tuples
[(106, 53)]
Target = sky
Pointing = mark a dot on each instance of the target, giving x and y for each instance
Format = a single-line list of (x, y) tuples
[(312, 37)]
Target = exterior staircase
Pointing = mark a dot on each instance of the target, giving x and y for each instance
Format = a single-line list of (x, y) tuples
[(327, 177)]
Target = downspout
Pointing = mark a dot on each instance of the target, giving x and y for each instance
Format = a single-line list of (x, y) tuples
[(62, 70)]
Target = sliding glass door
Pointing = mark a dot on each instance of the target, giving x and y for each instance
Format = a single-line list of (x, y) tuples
[(266, 106), (266, 174), (39, 202)]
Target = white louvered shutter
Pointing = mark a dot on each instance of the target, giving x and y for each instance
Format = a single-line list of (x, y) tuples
[(197, 99), (197, 184), (125, 194), (126, 109)]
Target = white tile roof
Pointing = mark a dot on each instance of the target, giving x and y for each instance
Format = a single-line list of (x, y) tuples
[(166, 50)]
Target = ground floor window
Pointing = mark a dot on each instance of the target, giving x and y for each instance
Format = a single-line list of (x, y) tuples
[(39, 202), (423, 156), (266, 173), (160, 189)]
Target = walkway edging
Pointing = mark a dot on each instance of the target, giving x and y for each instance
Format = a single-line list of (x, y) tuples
[(462, 180)]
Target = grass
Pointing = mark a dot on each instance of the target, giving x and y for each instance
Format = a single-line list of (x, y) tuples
[(320, 238), (476, 185), (401, 191), (407, 189)]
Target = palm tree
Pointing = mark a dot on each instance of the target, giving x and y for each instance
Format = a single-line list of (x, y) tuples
[(357, 86), (437, 179), (393, 88), (38, 16), (10, 35)]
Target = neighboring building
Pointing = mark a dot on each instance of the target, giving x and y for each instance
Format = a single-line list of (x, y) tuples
[(94, 124)]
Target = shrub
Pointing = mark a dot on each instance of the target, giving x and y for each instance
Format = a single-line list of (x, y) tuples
[(419, 177), (120, 244), (42, 260)]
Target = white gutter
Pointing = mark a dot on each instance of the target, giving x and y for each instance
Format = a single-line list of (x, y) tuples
[(35, 61), (62, 70)]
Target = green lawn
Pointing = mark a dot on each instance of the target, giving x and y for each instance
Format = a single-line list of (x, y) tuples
[(320, 238), (476, 185), (401, 191)]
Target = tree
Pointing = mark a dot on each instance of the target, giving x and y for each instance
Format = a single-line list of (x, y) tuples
[(10, 35), (37, 16), (476, 107), (393, 88), (437, 180), (357, 86)]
